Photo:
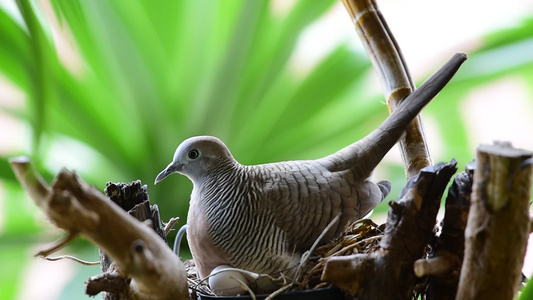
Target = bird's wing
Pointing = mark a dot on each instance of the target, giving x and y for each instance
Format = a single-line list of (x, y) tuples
[(305, 197)]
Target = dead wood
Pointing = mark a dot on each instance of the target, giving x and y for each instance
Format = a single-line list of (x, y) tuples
[(444, 264), (137, 251), (388, 272), (498, 223), (392, 70), (133, 198)]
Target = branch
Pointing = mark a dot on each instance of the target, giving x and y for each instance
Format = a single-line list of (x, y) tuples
[(138, 252), (388, 61), (444, 264), (498, 223), (408, 230)]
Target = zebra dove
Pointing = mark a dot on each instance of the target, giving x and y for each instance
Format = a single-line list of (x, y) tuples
[(261, 218)]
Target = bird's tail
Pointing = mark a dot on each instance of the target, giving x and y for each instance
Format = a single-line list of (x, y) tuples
[(364, 155), (385, 187)]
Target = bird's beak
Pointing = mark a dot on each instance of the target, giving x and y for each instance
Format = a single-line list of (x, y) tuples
[(173, 167)]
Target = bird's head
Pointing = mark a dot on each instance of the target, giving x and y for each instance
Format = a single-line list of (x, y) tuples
[(197, 156)]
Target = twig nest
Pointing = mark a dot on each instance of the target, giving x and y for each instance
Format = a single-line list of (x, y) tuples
[(225, 280)]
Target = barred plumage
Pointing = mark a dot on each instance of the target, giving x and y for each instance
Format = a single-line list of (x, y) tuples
[(244, 238)]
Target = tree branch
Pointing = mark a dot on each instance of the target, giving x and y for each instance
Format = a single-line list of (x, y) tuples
[(138, 252), (388, 61), (388, 272), (448, 251)]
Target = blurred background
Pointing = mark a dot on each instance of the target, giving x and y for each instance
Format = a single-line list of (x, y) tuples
[(110, 88)]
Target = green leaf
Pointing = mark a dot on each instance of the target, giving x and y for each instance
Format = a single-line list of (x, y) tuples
[(6, 174), (18, 212), (16, 61), (14, 257), (527, 291)]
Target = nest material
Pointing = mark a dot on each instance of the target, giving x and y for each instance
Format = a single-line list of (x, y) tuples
[(361, 236)]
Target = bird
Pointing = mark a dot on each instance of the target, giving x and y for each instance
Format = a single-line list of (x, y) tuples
[(262, 218), (259, 217)]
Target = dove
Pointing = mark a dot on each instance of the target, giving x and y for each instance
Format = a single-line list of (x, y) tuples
[(261, 218)]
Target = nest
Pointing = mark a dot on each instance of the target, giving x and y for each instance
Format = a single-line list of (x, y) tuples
[(361, 236)]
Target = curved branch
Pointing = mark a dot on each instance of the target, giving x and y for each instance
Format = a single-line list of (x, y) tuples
[(392, 70)]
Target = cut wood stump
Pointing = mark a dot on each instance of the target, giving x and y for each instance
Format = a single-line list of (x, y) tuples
[(498, 223)]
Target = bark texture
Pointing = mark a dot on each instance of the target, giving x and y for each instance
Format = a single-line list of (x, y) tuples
[(444, 264), (133, 198), (498, 223), (388, 272), (137, 251)]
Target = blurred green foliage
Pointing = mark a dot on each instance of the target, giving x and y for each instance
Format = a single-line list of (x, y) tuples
[(141, 76), (527, 291)]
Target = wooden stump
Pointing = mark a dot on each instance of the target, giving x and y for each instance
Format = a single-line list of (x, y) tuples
[(498, 223)]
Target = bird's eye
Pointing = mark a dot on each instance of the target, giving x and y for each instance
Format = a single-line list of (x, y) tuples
[(193, 154)]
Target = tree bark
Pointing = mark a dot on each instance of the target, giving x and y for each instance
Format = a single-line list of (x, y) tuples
[(444, 264), (388, 272), (498, 223), (137, 251), (133, 198)]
